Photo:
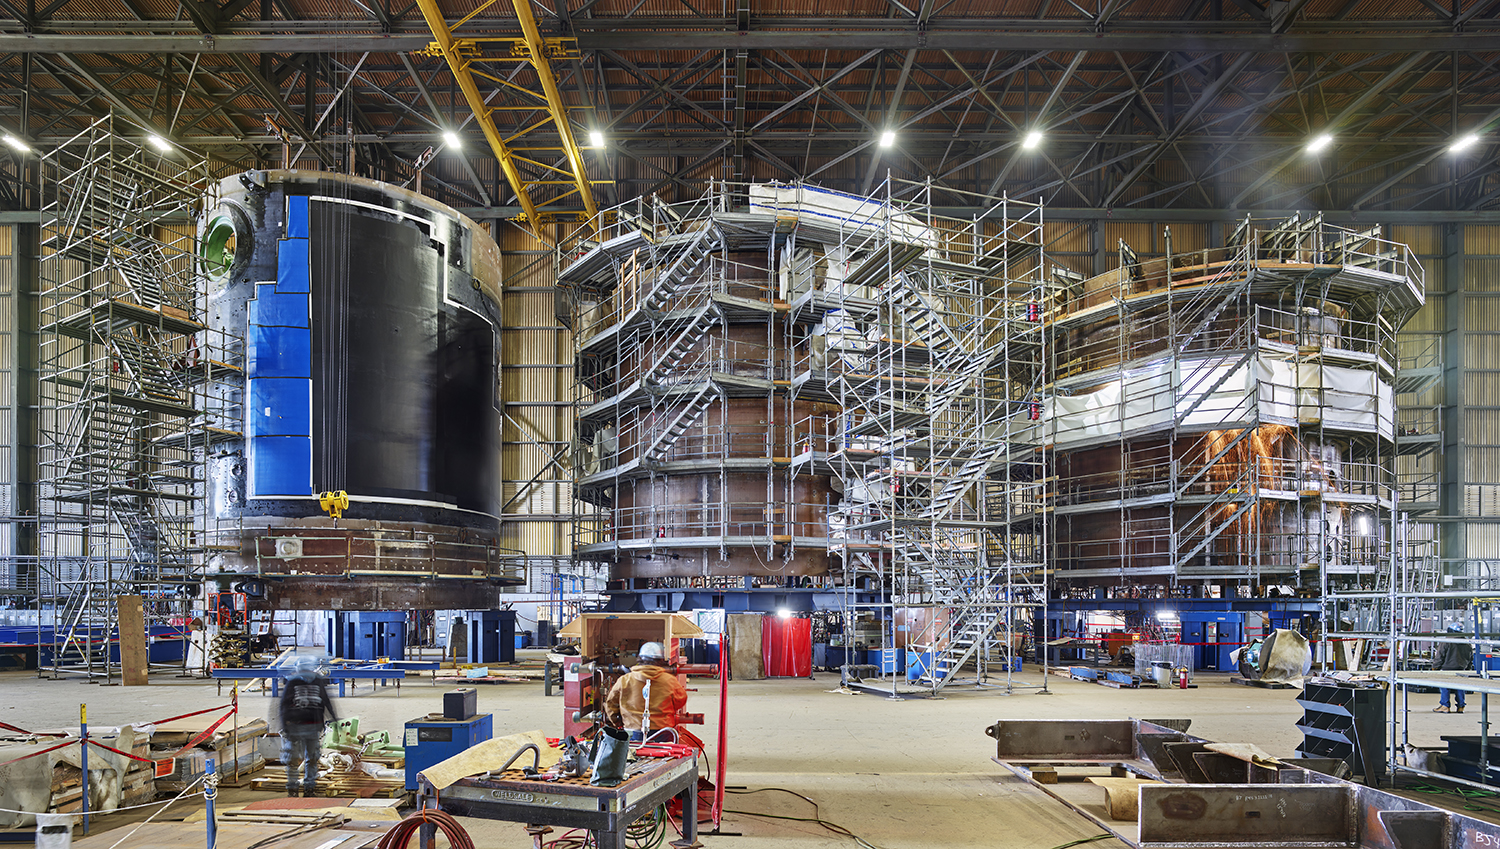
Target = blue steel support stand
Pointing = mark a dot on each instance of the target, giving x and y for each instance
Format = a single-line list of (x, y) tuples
[(210, 792), (83, 741)]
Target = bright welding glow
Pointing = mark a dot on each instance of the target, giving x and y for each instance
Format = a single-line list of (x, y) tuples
[(596, 138), (1319, 142), (158, 142), (887, 138), (452, 140), (16, 143), (1033, 140), (1463, 143), (783, 613)]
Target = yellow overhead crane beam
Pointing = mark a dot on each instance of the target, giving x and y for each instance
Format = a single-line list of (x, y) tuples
[(462, 54)]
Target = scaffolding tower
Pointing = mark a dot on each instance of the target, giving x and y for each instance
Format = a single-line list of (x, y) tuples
[(1225, 416), (929, 340), (134, 391), (784, 388), (684, 421)]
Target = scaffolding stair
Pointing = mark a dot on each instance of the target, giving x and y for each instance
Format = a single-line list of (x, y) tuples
[(973, 470), (684, 344), (117, 366), (1237, 495), (683, 270), (143, 363), (970, 594), (1203, 468), (920, 317), (1209, 304), (967, 382), (685, 420), (969, 633), (152, 541)]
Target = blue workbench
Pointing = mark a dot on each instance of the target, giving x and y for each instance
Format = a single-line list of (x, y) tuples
[(378, 673)]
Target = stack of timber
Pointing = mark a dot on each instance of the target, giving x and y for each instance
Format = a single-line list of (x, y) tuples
[(233, 748), (138, 785)]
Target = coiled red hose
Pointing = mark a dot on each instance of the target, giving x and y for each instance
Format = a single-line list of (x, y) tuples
[(400, 836)]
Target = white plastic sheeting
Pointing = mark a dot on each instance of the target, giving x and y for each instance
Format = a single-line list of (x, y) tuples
[(844, 211), (1151, 397)]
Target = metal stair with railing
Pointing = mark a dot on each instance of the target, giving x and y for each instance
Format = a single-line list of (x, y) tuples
[(921, 319), (685, 419), (1223, 503), (1217, 514), (682, 270), (971, 472), (686, 334), (973, 596)]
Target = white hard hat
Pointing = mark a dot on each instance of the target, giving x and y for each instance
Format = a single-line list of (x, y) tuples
[(302, 667), (652, 650)]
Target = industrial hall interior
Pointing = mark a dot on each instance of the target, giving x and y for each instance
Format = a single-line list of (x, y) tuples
[(879, 424)]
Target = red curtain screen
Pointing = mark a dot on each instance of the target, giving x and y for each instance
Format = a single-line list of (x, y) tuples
[(786, 645)]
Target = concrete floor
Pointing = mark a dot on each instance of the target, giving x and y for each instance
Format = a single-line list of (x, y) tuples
[(910, 773)]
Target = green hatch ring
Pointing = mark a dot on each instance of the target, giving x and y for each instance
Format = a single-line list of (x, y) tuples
[(214, 250)]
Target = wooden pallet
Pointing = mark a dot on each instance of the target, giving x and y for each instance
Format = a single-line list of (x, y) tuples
[(1265, 685), (355, 785)]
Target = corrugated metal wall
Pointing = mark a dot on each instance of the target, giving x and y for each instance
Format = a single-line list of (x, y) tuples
[(1479, 384), (7, 400), (536, 386)]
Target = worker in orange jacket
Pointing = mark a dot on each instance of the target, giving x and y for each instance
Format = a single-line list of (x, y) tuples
[(625, 706)]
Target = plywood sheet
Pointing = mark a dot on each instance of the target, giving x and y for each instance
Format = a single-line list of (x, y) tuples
[(490, 755), (132, 640), (746, 661)]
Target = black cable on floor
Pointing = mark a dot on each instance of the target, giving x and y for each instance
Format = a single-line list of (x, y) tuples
[(844, 832), (1083, 840)]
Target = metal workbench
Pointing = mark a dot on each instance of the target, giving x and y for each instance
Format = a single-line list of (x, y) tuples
[(574, 803), (378, 673)]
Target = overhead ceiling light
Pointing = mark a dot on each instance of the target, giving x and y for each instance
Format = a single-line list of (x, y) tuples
[(596, 138), (158, 142), (452, 140), (887, 138), (1459, 144), (1033, 140), (16, 143), (1319, 142)]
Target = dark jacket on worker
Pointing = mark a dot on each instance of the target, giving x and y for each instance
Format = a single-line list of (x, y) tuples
[(1453, 656), (305, 702), (626, 703)]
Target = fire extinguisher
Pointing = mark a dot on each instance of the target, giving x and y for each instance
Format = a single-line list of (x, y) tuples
[(1182, 677)]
